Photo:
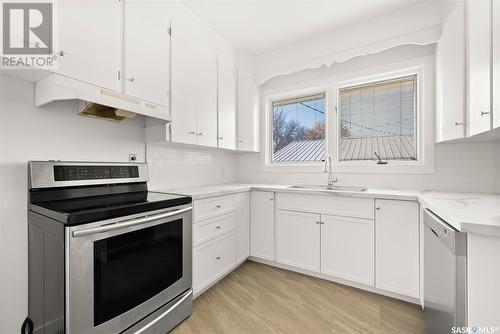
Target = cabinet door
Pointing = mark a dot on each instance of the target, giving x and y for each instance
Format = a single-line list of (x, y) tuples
[(89, 41), (450, 78), (204, 85), (248, 113), (242, 226), (226, 102), (212, 260), (262, 225), (298, 239), (147, 51), (347, 248), (479, 69), (183, 98), (397, 247), (496, 63)]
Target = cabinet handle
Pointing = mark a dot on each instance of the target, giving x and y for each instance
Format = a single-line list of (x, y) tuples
[(220, 138), (377, 208), (192, 132), (240, 141), (218, 227), (200, 133), (218, 206), (271, 199), (457, 123), (318, 222), (218, 258), (485, 113), (132, 80), (61, 53), (322, 223)]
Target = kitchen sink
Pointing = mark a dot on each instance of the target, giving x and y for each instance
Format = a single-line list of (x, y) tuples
[(325, 187)]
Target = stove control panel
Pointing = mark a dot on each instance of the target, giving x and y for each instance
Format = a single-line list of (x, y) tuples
[(80, 173)]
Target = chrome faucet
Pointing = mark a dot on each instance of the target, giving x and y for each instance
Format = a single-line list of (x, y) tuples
[(328, 169)]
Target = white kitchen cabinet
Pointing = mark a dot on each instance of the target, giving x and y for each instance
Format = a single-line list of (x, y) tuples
[(397, 247), (147, 51), (242, 226), (478, 45), (88, 43), (248, 113), (450, 77), (496, 63), (194, 89), (347, 249), (262, 225), (212, 260), (226, 101), (298, 239)]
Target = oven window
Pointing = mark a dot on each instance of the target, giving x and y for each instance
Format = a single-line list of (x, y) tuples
[(131, 268)]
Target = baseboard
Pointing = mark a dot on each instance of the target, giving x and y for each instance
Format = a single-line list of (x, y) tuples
[(227, 272), (337, 280)]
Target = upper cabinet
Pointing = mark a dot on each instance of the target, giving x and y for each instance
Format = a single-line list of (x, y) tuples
[(465, 105), (226, 101), (450, 76), (88, 42), (146, 67), (478, 48), (194, 88), (496, 63), (248, 113)]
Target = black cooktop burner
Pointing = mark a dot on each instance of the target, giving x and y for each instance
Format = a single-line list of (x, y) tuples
[(74, 211)]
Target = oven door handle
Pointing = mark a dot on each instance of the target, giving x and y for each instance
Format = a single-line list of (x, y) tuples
[(128, 223)]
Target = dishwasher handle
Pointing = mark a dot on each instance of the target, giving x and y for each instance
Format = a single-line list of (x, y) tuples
[(454, 240)]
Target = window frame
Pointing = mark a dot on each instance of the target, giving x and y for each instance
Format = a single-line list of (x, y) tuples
[(268, 142), (367, 82), (423, 67), (424, 139)]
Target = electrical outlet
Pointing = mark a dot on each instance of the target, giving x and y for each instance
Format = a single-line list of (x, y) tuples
[(132, 157)]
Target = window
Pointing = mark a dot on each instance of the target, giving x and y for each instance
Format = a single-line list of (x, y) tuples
[(378, 118), (298, 129)]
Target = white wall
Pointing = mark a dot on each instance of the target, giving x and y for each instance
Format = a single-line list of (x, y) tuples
[(419, 23), (174, 166), (53, 132), (458, 167)]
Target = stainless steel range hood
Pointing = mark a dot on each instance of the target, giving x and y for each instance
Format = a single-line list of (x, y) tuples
[(95, 101)]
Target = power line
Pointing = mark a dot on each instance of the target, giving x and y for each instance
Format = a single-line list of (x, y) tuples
[(365, 127)]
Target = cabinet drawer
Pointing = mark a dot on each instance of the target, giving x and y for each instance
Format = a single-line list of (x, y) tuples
[(212, 228), (213, 259), (212, 207), (327, 204)]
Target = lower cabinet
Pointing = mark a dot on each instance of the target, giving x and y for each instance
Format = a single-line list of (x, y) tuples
[(262, 225), (397, 247), (242, 226), (212, 260), (298, 239), (347, 248)]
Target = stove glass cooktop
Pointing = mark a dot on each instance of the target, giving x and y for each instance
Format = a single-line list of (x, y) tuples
[(95, 208)]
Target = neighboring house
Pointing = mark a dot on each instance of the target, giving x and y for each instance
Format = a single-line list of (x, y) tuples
[(387, 147)]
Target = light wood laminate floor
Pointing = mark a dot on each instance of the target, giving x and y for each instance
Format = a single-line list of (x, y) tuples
[(256, 298)]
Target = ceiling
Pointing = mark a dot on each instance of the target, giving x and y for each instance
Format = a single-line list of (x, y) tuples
[(259, 26)]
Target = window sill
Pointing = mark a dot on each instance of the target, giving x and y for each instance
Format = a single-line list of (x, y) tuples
[(354, 167)]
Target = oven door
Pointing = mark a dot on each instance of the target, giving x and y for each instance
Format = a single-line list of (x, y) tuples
[(119, 271)]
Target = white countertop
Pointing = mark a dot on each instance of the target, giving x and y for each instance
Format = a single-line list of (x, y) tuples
[(474, 213)]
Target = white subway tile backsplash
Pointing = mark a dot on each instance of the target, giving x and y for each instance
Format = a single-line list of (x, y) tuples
[(174, 166)]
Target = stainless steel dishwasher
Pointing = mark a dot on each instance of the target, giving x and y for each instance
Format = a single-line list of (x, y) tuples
[(445, 275)]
